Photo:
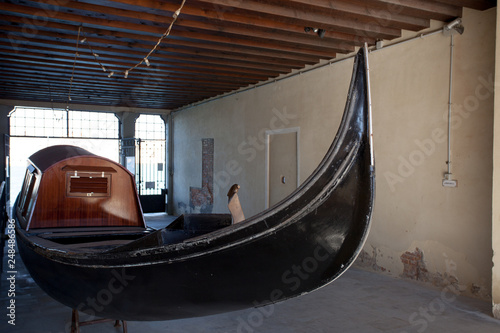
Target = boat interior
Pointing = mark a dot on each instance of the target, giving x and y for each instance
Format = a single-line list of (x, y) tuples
[(126, 238)]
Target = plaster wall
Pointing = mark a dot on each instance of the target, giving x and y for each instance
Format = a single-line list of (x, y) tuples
[(420, 230)]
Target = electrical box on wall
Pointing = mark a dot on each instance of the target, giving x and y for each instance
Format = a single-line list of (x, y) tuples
[(448, 182)]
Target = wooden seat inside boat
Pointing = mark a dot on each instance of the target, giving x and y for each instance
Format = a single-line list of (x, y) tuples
[(89, 239), (190, 226), (118, 239)]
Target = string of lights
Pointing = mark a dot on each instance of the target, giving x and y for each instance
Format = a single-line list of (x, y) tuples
[(74, 64), (85, 40)]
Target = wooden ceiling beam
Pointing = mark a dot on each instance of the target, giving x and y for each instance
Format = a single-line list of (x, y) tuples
[(81, 89), (61, 95), (68, 48), (117, 47), (165, 81), (85, 93), (170, 80), (303, 40), (216, 14), (158, 31), (145, 101), (89, 94), (66, 54), (358, 13), (287, 14), (132, 41), (212, 17), (146, 74), (118, 85), (223, 27), (159, 66), (473, 4), (156, 79), (104, 53), (417, 8)]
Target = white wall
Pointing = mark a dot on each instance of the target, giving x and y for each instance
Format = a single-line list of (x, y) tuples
[(451, 227)]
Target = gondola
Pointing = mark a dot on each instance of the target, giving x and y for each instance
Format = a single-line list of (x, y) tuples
[(82, 236)]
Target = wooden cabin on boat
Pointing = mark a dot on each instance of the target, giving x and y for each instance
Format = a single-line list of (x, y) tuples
[(68, 187), (75, 201)]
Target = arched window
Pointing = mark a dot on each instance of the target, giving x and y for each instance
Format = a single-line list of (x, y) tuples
[(150, 127), (150, 155)]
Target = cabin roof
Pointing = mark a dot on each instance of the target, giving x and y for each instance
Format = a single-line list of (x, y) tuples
[(45, 158)]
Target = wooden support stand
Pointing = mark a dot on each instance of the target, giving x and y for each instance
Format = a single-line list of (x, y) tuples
[(76, 323)]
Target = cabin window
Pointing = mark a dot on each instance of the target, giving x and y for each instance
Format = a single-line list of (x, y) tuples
[(88, 184), (26, 183), (28, 195)]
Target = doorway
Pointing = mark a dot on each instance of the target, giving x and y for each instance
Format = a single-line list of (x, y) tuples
[(282, 164), (150, 162)]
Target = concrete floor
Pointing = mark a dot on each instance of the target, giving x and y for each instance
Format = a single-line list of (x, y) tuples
[(359, 301)]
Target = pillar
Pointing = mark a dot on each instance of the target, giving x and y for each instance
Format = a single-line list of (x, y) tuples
[(495, 288), (169, 146), (4, 167), (127, 137)]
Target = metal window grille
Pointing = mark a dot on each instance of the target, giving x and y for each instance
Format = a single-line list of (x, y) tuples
[(32, 122), (150, 154), (150, 127), (58, 123)]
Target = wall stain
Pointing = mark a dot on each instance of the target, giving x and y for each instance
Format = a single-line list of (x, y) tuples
[(414, 266), (201, 199), (369, 261)]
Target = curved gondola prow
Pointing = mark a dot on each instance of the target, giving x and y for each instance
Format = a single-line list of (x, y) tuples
[(359, 98), (358, 175)]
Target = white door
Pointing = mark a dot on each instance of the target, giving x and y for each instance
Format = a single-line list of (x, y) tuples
[(282, 166)]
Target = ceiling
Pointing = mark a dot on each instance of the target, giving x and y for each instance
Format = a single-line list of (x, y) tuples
[(214, 46)]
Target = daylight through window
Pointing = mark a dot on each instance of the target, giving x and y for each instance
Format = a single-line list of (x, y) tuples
[(58, 123)]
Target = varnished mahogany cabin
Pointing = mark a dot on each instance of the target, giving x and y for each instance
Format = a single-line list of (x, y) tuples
[(68, 187)]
